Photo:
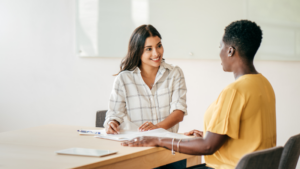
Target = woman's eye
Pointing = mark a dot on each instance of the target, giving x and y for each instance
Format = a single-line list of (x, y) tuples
[(148, 49), (160, 45)]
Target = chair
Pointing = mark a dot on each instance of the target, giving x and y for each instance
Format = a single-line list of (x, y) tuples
[(100, 118), (262, 159), (290, 154)]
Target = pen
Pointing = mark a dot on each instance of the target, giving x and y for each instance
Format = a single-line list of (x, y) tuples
[(89, 131)]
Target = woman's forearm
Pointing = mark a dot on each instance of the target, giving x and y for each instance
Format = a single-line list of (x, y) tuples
[(175, 117), (193, 146)]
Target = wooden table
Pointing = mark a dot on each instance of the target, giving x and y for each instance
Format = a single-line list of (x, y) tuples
[(35, 148)]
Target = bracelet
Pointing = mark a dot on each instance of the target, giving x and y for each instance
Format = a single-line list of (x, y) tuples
[(178, 145), (173, 152)]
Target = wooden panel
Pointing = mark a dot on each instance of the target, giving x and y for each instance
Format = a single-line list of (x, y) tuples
[(148, 161)]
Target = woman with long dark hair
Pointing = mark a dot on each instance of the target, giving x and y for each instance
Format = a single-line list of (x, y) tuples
[(147, 91)]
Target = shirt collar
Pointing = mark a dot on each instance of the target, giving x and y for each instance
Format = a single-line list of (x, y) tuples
[(136, 70), (165, 65)]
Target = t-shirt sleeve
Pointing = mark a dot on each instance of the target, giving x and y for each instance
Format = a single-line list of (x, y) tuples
[(227, 113)]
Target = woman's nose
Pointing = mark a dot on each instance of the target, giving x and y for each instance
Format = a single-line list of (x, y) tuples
[(155, 52)]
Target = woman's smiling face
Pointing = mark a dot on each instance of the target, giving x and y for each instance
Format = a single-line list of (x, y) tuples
[(153, 52)]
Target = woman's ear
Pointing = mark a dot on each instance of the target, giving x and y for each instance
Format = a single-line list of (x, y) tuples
[(231, 51)]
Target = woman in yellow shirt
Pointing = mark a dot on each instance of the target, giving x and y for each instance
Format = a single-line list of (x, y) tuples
[(243, 118)]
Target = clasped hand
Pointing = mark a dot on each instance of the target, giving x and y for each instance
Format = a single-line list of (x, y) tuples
[(195, 133), (148, 126)]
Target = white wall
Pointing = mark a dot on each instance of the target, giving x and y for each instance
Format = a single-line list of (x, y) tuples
[(42, 81)]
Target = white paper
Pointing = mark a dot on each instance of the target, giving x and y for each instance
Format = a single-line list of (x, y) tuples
[(126, 135), (128, 126)]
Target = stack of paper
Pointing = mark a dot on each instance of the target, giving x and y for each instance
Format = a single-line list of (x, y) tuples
[(129, 135)]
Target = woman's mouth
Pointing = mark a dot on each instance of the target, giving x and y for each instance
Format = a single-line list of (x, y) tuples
[(155, 59)]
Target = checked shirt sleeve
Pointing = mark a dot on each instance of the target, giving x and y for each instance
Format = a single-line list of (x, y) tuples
[(117, 104), (179, 92)]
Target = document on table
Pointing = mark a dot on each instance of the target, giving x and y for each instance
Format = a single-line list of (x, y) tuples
[(126, 135)]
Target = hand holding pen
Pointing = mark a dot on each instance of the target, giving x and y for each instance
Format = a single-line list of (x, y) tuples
[(113, 127)]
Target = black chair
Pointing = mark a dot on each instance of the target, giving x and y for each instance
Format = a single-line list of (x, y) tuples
[(100, 118), (290, 154), (262, 159)]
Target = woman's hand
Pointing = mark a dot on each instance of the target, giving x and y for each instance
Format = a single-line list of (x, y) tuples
[(112, 127), (145, 141), (148, 126), (195, 133)]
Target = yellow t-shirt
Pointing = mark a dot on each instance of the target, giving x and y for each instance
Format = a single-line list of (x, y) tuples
[(245, 112)]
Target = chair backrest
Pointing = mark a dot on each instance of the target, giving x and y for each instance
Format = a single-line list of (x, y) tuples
[(100, 118), (262, 159), (290, 154)]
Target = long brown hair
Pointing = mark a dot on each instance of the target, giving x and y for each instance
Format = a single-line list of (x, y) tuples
[(136, 47)]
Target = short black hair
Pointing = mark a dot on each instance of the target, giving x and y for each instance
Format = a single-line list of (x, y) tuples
[(245, 36)]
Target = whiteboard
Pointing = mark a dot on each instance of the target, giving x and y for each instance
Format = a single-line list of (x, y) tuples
[(190, 29)]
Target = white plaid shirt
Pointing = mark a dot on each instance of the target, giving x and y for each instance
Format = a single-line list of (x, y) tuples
[(131, 98)]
